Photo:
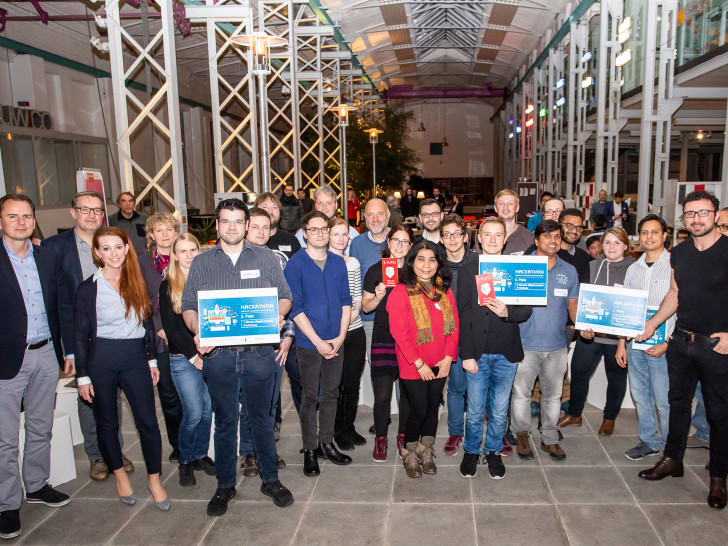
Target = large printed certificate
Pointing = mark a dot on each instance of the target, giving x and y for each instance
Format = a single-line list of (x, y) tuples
[(611, 310), (238, 317), (518, 280)]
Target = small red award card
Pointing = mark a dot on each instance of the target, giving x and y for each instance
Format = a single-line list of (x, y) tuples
[(389, 272), (484, 283)]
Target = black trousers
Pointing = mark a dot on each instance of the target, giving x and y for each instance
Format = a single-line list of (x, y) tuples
[(168, 399), (382, 387), (584, 363), (123, 363), (355, 348), (686, 364), (424, 402)]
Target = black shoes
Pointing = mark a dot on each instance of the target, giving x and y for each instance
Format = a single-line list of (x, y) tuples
[(218, 504), (206, 464), (469, 466), (249, 466), (281, 496), (357, 438), (310, 463), (48, 496), (187, 475), (344, 442), (174, 456), (10, 524), (330, 453), (496, 468)]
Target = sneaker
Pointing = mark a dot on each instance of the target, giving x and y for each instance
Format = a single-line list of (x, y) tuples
[(452, 445), (640, 451), (277, 431), (469, 466), (218, 504), (206, 464), (281, 496), (496, 468), (555, 451), (379, 455), (507, 449), (187, 475), (48, 496), (695, 442), (10, 524), (249, 466), (400, 445), (99, 471), (523, 446), (281, 463)]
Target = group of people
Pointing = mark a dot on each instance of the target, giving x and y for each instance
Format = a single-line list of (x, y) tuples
[(86, 302)]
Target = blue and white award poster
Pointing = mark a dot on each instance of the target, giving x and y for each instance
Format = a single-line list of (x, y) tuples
[(517, 280), (657, 338), (611, 310), (238, 317)]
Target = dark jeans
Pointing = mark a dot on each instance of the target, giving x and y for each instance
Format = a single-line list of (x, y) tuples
[(248, 375), (584, 363), (355, 348), (318, 375), (294, 378), (424, 402), (382, 386), (123, 363), (168, 399), (686, 364), (194, 431)]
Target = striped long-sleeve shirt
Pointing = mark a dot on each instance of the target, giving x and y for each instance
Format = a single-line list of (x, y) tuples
[(655, 279), (354, 270)]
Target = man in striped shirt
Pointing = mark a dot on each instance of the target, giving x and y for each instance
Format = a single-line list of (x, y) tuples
[(648, 379)]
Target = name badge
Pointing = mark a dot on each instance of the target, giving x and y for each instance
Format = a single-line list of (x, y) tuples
[(284, 248), (250, 274), (561, 292)]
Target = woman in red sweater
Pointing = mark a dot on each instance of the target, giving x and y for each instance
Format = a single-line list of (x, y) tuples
[(424, 323)]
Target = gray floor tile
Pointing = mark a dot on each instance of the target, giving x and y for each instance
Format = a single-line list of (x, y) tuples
[(529, 525), (337, 523), (186, 522), (292, 477), (679, 525), (687, 489), (616, 446), (521, 485), (365, 484), (580, 450), (599, 524), (582, 485), (430, 524), (204, 489), (446, 487), (32, 515), (255, 524), (107, 489)]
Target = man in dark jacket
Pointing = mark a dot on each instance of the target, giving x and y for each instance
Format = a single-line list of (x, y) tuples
[(409, 204), (306, 201), (131, 221), (291, 210)]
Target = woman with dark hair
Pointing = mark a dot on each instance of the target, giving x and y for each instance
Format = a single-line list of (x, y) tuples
[(114, 347), (384, 368), (424, 323)]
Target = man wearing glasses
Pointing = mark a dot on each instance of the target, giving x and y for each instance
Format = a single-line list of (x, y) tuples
[(459, 255), (698, 348), (431, 216), (572, 221), (324, 200)]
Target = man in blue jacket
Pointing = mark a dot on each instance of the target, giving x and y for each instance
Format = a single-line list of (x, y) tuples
[(321, 311)]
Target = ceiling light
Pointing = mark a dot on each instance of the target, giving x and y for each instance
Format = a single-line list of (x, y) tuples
[(103, 47), (510, 135), (542, 113), (422, 127), (101, 21), (529, 109), (529, 122), (586, 82), (586, 57), (560, 83), (518, 129), (623, 58), (561, 101)]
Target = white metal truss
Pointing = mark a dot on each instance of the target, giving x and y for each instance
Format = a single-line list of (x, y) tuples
[(579, 130), (555, 114), (540, 126), (528, 117), (156, 111), (658, 102)]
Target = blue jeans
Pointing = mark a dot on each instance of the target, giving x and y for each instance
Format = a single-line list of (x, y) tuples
[(700, 417), (250, 374), (456, 391), (194, 430), (490, 385), (649, 384)]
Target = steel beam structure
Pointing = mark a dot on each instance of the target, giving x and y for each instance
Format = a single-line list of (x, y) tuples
[(540, 126), (528, 116), (555, 138), (155, 112), (579, 129)]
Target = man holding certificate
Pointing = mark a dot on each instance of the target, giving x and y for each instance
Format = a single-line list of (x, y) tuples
[(235, 264)]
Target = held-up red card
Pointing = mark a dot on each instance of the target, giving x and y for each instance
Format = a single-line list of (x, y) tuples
[(389, 272), (486, 291)]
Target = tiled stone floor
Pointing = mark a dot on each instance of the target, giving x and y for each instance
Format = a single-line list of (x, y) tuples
[(594, 497)]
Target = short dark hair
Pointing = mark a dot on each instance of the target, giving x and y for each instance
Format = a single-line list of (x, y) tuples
[(257, 211), (571, 212), (17, 197), (600, 220), (452, 219), (392, 232), (700, 195), (311, 215), (683, 232), (619, 194), (428, 201), (89, 193), (232, 204), (649, 218), (593, 239), (547, 194), (548, 226), (118, 197), (443, 270)]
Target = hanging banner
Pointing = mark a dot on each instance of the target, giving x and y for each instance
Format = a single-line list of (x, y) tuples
[(91, 180)]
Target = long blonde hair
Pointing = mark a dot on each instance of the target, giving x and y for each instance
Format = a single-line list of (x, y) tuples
[(176, 277)]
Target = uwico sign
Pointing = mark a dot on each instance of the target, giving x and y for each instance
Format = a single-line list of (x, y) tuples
[(24, 117)]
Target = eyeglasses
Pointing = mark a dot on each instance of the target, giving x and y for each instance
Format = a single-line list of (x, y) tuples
[(317, 230), (400, 242), (722, 227), (549, 213), (702, 213), (88, 210), (572, 227), (426, 215), (228, 222), (455, 235)]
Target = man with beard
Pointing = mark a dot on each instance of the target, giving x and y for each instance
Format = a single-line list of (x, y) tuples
[(291, 211), (572, 221), (279, 239)]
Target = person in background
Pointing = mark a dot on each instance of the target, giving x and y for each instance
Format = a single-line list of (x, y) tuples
[(409, 204), (572, 222), (431, 216), (325, 201), (32, 294), (620, 212), (353, 208), (130, 221), (186, 365), (114, 347), (456, 207), (394, 215), (602, 206), (439, 197), (161, 229), (681, 236), (600, 224), (354, 347), (594, 246), (279, 239), (423, 320), (518, 238), (291, 210), (537, 216), (384, 367), (306, 201)]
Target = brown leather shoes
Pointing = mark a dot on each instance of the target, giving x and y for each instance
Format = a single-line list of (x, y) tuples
[(128, 465), (568, 420), (718, 496), (607, 427), (99, 471), (665, 467)]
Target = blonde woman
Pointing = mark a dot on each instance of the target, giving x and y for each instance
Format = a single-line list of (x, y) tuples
[(186, 365)]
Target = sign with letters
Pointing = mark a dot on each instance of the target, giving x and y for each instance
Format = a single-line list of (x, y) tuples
[(238, 317), (658, 337), (611, 310), (517, 280)]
